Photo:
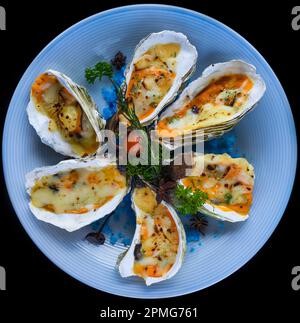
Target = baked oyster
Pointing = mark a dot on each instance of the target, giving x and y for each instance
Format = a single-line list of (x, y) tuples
[(159, 242), (161, 64), (212, 104), (64, 115), (76, 192), (228, 182)]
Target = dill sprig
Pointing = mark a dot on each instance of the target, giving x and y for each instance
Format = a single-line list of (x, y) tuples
[(148, 172), (102, 69)]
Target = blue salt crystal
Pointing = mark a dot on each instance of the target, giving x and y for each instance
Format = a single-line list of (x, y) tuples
[(113, 239), (119, 76), (126, 242), (109, 95), (192, 235), (107, 230), (110, 109), (120, 235)]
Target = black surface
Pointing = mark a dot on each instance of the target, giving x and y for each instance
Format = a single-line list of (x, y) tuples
[(37, 288)]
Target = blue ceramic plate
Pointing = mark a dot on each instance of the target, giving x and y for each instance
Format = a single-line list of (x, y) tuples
[(266, 137)]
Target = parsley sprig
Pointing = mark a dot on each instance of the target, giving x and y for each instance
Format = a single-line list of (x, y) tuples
[(98, 71), (188, 201)]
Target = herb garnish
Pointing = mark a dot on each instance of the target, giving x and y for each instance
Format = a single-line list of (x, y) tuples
[(188, 201), (184, 199), (228, 198), (105, 69), (98, 71), (148, 172)]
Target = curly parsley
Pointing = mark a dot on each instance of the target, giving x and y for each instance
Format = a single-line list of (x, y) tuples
[(187, 201), (98, 71)]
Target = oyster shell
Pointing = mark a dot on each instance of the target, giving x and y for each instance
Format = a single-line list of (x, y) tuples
[(162, 62), (159, 242), (64, 115), (232, 87), (228, 182), (75, 193)]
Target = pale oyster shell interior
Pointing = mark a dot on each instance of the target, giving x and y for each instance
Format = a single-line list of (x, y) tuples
[(40, 122), (126, 260), (186, 64), (209, 208), (68, 221), (211, 73)]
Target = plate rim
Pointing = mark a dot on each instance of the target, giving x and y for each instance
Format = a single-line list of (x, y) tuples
[(216, 23)]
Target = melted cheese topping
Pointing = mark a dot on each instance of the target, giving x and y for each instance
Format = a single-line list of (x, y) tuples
[(216, 104), (152, 78), (156, 254), (227, 181), (65, 114), (77, 191)]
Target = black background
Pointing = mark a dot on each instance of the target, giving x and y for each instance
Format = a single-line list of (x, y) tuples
[(38, 289)]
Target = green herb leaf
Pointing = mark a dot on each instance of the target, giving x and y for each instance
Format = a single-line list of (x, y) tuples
[(188, 201), (98, 71), (149, 173), (228, 198)]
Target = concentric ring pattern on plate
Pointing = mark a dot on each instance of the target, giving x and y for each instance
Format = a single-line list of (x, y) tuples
[(266, 136)]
